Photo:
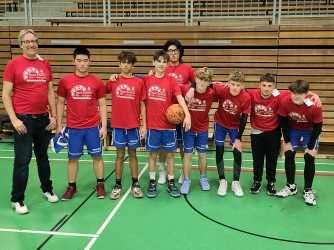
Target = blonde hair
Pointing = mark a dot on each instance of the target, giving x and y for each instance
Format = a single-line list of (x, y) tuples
[(205, 74), (23, 32), (236, 76)]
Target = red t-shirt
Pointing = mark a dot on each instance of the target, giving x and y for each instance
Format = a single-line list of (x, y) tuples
[(301, 117), (230, 107), (159, 96), (81, 94), (126, 96), (199, 108), (264, 115), (30, 80), (183, 73)]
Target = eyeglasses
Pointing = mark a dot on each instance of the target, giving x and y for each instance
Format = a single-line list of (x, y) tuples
[(171, 51), (30, 41)]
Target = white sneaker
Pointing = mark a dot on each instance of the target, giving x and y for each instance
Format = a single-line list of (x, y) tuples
[(162, 177), (287, 191), (309, 198), (51, 197), (20, 207), (236, 188), (222, 187)]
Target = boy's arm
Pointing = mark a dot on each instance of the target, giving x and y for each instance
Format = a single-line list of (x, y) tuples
[(187, 119), (60, 113), (103, 117), (143, 127), (243, 122)]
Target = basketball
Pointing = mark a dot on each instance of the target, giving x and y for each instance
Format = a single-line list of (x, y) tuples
[(175, 114)]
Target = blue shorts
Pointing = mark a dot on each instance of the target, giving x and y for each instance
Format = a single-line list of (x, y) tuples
[(161, 138), (301, 138), (220, 134), (179, 134), (126, 137), (77, 138), (194, 139)]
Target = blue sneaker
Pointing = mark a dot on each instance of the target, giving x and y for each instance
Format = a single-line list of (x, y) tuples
[(152, 189), (59, 141), (204, 183), (172, 189), (185, 186)]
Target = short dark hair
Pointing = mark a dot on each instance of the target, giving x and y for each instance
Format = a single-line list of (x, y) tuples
[(299, 87), (177, 44), (81, 51), (127, 57), (268, 77), (160, 53)]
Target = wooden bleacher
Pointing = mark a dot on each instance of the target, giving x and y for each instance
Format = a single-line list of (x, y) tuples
[(290, 52)]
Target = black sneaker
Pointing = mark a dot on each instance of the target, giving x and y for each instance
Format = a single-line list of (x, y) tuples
[(172, 189), (271, 190), (256, 187), (152, 189)]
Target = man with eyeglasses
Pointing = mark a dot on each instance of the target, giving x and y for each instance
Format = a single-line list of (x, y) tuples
[(183, 74), (29, 100)]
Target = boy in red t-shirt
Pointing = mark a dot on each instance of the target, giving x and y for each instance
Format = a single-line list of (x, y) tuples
[(86, 108), (197, 136), (230, 118), (160, 91), (301, 122), (128, 93)]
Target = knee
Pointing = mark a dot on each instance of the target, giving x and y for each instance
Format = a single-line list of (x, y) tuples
[(289, 154), (308, 158), (120, 154), (132, 153)]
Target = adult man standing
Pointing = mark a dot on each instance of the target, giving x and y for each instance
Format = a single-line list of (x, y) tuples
[(29, 100)]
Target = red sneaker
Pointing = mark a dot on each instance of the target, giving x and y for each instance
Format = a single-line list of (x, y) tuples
[(100, 193), (70, 191)]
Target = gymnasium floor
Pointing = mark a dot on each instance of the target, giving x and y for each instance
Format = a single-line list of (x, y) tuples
[(201, 220)]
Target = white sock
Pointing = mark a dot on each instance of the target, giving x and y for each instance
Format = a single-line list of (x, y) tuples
[(152, 175), (170, 177), (161, 166)]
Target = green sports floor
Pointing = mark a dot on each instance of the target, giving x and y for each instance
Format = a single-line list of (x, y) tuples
[(201, 220)]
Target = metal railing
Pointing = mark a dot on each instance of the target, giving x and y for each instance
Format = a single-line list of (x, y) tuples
[(188, 12)]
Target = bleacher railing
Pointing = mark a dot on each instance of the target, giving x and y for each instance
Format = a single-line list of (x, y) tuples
[(189, 12)]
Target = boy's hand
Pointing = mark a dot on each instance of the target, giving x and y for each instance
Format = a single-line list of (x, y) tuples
[(312, 152), (287, 146), (103, 133), (142, 132), (52, 124), (237, 145), (187, 122), (113, 77)]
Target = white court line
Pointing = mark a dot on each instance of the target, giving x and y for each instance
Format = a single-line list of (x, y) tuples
[(47, 232), (112, 213)]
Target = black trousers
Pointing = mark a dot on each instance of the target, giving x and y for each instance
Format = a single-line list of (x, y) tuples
[(23, 145), (265, 146)]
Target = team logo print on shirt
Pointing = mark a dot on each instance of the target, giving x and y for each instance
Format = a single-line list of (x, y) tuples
[(197, 105), (80, 92), (263, 111), (297, 117), (230, 107), (157, 93), (125, 92), (32, 74), (178, 78)]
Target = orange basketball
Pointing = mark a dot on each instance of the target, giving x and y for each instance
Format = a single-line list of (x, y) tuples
[(175, 114)]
